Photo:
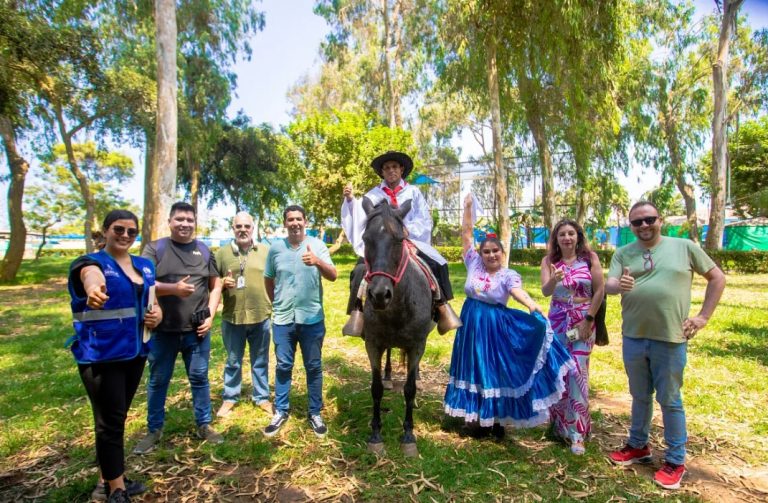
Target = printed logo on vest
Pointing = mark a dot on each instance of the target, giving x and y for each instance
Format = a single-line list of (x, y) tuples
[(108, 271), (197, 252), (147, 271)]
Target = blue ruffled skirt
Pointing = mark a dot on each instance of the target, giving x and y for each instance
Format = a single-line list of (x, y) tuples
[(507, 367)]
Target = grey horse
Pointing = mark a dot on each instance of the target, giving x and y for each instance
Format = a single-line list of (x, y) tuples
[(397, 313)]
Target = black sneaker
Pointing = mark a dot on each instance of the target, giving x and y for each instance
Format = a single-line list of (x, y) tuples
[(119, 496), (318, 426), (278, 420), (132, 487)]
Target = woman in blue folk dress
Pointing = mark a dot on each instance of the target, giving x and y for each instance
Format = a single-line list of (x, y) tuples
[(506, 366)]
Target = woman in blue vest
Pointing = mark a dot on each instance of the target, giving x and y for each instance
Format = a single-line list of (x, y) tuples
[(112, 293)]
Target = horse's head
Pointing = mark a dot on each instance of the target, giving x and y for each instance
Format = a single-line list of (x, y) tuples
[(384, 254)]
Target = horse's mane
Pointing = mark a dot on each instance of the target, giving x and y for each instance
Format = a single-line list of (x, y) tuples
[(384, 210)]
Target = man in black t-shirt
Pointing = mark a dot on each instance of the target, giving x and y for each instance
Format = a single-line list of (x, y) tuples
[(188, 290)]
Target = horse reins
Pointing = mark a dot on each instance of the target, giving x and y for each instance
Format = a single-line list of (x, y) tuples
[(400, 268)]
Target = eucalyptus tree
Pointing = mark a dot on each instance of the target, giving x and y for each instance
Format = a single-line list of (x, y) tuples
[(380, 43), (668, 116), (58, 60), (730, 9)]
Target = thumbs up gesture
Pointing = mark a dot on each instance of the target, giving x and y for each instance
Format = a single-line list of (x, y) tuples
[(626, 281), (97, 296), (309, 258), (556, 273), (349, 192), (229, 280), (184, 289)]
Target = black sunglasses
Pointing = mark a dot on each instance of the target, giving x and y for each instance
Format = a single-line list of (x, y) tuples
[(120, 230), (639, 221)]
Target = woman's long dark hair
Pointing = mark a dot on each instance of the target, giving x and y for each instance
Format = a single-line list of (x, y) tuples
[(554, 253)]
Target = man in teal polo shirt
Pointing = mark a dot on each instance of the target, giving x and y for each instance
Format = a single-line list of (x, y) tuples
[(292, 276)]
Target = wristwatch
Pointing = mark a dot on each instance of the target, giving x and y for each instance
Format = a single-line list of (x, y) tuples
[(589, 318)]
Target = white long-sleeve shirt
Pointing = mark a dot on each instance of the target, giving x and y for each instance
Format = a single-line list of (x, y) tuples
[(418, 221)]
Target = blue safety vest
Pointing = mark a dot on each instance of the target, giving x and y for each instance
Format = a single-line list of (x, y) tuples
[(115, 332)]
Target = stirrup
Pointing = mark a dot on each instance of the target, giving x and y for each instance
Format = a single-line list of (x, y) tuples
[(447, 319), (354, 325)]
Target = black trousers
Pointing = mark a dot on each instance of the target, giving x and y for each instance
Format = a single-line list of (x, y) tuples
[(111, 387), (358, 273)]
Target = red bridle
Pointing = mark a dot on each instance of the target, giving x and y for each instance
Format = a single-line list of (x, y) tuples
[(404, 257)]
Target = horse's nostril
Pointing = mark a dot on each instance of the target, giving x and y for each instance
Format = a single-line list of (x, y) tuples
[(388, 294)]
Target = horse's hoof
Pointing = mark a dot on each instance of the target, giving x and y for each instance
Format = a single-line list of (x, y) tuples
[(376, 448), (409, 450), (387, 383)]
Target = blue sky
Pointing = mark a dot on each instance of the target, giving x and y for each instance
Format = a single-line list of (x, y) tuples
[(287, 49)]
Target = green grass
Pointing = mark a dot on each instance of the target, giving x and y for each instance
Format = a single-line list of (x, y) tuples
[(46, 424)]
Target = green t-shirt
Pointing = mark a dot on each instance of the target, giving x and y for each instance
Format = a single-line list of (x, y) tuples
[(661, 299), (248, 305)]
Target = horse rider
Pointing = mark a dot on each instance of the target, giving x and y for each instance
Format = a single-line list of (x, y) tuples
[(393, 167)]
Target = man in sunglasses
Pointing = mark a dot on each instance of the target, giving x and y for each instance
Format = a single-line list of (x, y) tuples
[(188, 289), (654, 276), (246, 313)]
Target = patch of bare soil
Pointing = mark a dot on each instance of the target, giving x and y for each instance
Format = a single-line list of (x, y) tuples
[(715, 470)]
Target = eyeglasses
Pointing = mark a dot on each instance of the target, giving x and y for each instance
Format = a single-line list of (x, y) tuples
[(120, 230), (639, 221), (243, 226), (647, 260)]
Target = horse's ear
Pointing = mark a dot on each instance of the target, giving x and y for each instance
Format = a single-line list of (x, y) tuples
[(367, 205), (403, 209)]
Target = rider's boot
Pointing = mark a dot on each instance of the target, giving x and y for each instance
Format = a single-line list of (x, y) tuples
[(447, 319), (354, 325)]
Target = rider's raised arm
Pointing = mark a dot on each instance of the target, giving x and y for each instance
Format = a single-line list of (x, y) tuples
[(353, 220)]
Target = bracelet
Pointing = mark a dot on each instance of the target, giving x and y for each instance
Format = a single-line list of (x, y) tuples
[(589, 318)]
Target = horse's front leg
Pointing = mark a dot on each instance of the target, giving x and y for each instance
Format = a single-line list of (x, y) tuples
[(387, 382), (375, 442), (408, 442)]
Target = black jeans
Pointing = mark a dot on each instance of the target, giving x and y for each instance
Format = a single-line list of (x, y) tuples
[(111, 387), (358, 273)]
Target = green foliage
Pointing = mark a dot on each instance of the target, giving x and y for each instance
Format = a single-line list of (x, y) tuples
[(748, 153), (250, 166), (336, 148), (666, 199)]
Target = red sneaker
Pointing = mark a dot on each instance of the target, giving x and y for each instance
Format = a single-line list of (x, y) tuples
[(669, 476), (629, 455)]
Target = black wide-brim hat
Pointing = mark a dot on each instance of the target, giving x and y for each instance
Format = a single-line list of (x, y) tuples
[(403, 159)]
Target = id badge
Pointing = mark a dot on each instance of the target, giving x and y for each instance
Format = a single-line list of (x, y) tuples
[(240, 282)]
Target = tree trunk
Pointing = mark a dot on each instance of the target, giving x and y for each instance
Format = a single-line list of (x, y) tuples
[(82, 181), (581, 205), (678, 174), (18, 167), (719, 127), (149, 229), (194, 177), (500, 173), (388, 80), (686, 190), (167, 113), (547, 170), (42, 244)]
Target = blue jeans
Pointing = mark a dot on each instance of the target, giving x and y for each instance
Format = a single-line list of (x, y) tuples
[(657, 366), (196, 352), (235, 336), (310, 339)]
